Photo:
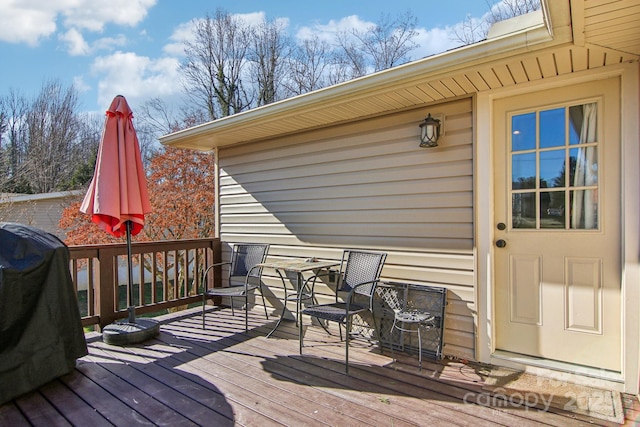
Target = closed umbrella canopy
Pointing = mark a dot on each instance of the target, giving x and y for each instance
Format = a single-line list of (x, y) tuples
[(117, 201), (118, 191)]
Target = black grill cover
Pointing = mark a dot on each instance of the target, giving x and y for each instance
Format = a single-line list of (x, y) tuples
[(41, 334)]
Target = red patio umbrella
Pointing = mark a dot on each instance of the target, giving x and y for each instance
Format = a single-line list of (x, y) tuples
[(118, 191), (117, 198)]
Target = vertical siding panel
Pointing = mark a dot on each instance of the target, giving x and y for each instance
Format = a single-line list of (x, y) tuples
[(365, 185)]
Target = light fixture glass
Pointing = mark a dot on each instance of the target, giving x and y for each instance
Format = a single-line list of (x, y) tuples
[(429, 132)]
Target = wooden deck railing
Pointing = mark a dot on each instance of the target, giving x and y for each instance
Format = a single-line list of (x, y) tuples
[(166, 275)]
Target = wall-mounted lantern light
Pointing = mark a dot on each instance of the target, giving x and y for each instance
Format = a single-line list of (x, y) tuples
[(430, 131)]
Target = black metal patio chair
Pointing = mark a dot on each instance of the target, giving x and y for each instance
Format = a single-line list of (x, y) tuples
[(359, 274), (245, 275)]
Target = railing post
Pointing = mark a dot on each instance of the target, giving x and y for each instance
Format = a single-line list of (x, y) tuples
[(217, 271), (104, 292)]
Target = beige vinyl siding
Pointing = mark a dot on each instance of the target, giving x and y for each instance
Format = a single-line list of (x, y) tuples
[(364, 185), (42, 211)]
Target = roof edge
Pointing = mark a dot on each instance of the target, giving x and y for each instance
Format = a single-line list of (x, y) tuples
[(6, 198)]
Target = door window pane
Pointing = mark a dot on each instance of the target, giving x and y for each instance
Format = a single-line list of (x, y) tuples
[(552, 128), (584, 166), (584, 209), (523, 207), (552, 212), (523, 132), (523, 171), (552, 169), (576, 117)]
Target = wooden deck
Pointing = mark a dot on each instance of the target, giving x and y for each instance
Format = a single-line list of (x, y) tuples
[(222, 377)]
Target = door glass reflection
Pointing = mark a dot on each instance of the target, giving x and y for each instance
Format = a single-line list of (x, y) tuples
[(523, 130), (584, 209), (552, 128), (552, 171), (552, 212), (584, 166), (576, 117), (523, 208), (523, 172)]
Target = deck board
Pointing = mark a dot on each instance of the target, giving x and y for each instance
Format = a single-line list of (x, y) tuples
[(97, 397), (10, 415), (223, 376), (72, 407), (39, 412)]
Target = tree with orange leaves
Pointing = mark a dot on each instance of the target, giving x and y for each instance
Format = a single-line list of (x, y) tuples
[(181, 191)]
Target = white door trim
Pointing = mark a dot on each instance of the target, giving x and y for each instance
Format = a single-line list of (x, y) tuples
[(630, 246)]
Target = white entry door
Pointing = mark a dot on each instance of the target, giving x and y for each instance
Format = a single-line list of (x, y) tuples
[(557, 217)]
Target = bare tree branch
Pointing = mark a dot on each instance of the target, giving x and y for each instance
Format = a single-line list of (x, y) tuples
[(308, 65), (270, 49), (214, 65), (389, 41)]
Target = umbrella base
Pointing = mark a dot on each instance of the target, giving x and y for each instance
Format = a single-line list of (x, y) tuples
[(124, 333)]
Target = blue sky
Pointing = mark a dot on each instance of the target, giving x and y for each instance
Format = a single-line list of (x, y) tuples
[(131, 47)]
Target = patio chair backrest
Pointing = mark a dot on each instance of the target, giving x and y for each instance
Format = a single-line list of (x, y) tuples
[(360, 267), (245, 257)]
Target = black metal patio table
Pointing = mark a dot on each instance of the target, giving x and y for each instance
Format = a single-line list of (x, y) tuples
[(302, 290)]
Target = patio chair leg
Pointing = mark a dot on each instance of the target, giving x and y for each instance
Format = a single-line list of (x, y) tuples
[(246, 312), (300, 334), (419, 349), (375, 330), (204, 303), (233, 313), (264, 304), (346, 351), (393, 354)]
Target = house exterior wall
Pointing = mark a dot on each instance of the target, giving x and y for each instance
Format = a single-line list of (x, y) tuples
[(42, 211), (365, 185)]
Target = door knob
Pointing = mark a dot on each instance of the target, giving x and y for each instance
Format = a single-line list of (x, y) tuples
[(501, 243)]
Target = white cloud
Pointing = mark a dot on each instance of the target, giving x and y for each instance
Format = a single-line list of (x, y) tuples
[(182, 33), (31, 21), (435, 40), (80, 85), (94, 15), (109, 43), (76, 45), (26, 23), (328, 32), (254, 18), (137, 78)]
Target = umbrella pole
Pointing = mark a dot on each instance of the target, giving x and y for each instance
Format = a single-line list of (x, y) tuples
[(132, 308), (134, 331)]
